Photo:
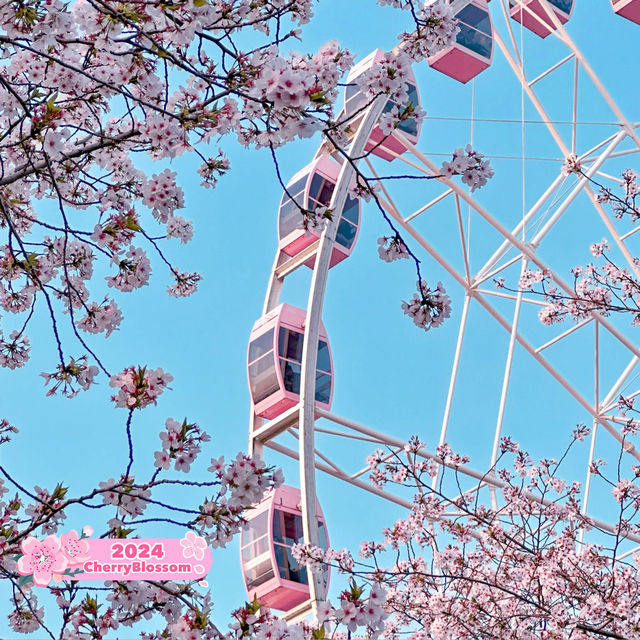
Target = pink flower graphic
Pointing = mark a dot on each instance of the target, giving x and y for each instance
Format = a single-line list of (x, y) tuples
[(42, 559), (193, 545), (75, 550)]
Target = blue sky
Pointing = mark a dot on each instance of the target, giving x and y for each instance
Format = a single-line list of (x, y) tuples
[(388, 374)]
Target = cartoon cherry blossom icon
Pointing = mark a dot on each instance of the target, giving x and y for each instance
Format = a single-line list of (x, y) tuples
[(193, 546), (75, 549), (42, 559)]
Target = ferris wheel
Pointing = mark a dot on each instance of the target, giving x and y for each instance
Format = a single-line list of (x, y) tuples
[(586, 365)]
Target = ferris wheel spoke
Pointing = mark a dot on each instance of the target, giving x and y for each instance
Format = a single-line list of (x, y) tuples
[(507, 22), (628, 396), (517, 231), (511, 296), (628, 553), (587, 157), (564, 334), (351, 436), (584, 507), (608, 176), (507, 370), (463, 241), (455, 366), (609, 403), (478, 280), (427, 206), (551, 69), (574, 126), (551, 369), (621, 154), (526, 249), (519, 72), (316, 452), (583, 184), (621, 420)]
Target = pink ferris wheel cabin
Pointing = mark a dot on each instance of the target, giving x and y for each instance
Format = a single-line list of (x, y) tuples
[(629, 9), (532, 15), (386, 147), (275, 361), (473, 49), (270, 572), (310, 188)]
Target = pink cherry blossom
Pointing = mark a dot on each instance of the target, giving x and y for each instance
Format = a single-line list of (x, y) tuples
[(42, 559), (428, 308), (139, 387), (392, 248), (470, 165), (76, 550)]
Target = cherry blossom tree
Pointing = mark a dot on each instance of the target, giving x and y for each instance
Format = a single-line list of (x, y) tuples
[(531, 565), (89, 86)]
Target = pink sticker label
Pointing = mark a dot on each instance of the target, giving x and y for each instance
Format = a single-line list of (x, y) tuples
[(70, 557)]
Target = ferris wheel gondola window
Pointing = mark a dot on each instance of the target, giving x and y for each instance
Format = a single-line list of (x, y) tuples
[(475, 30), (292, 202), (532, 15), (472, 51), (274, 370), (271, 573), (255, 551), (356, 103), (290, 349), (309, 189)]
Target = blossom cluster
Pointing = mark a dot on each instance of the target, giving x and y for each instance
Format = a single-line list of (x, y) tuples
[(131, 499), (139, 387), (180, 443), (470, 165), (71, 377), (389, 75), (14, 352), (628, 203), (428, 307), (392, 248), (436, 29), (596, 288), (355, 610)]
